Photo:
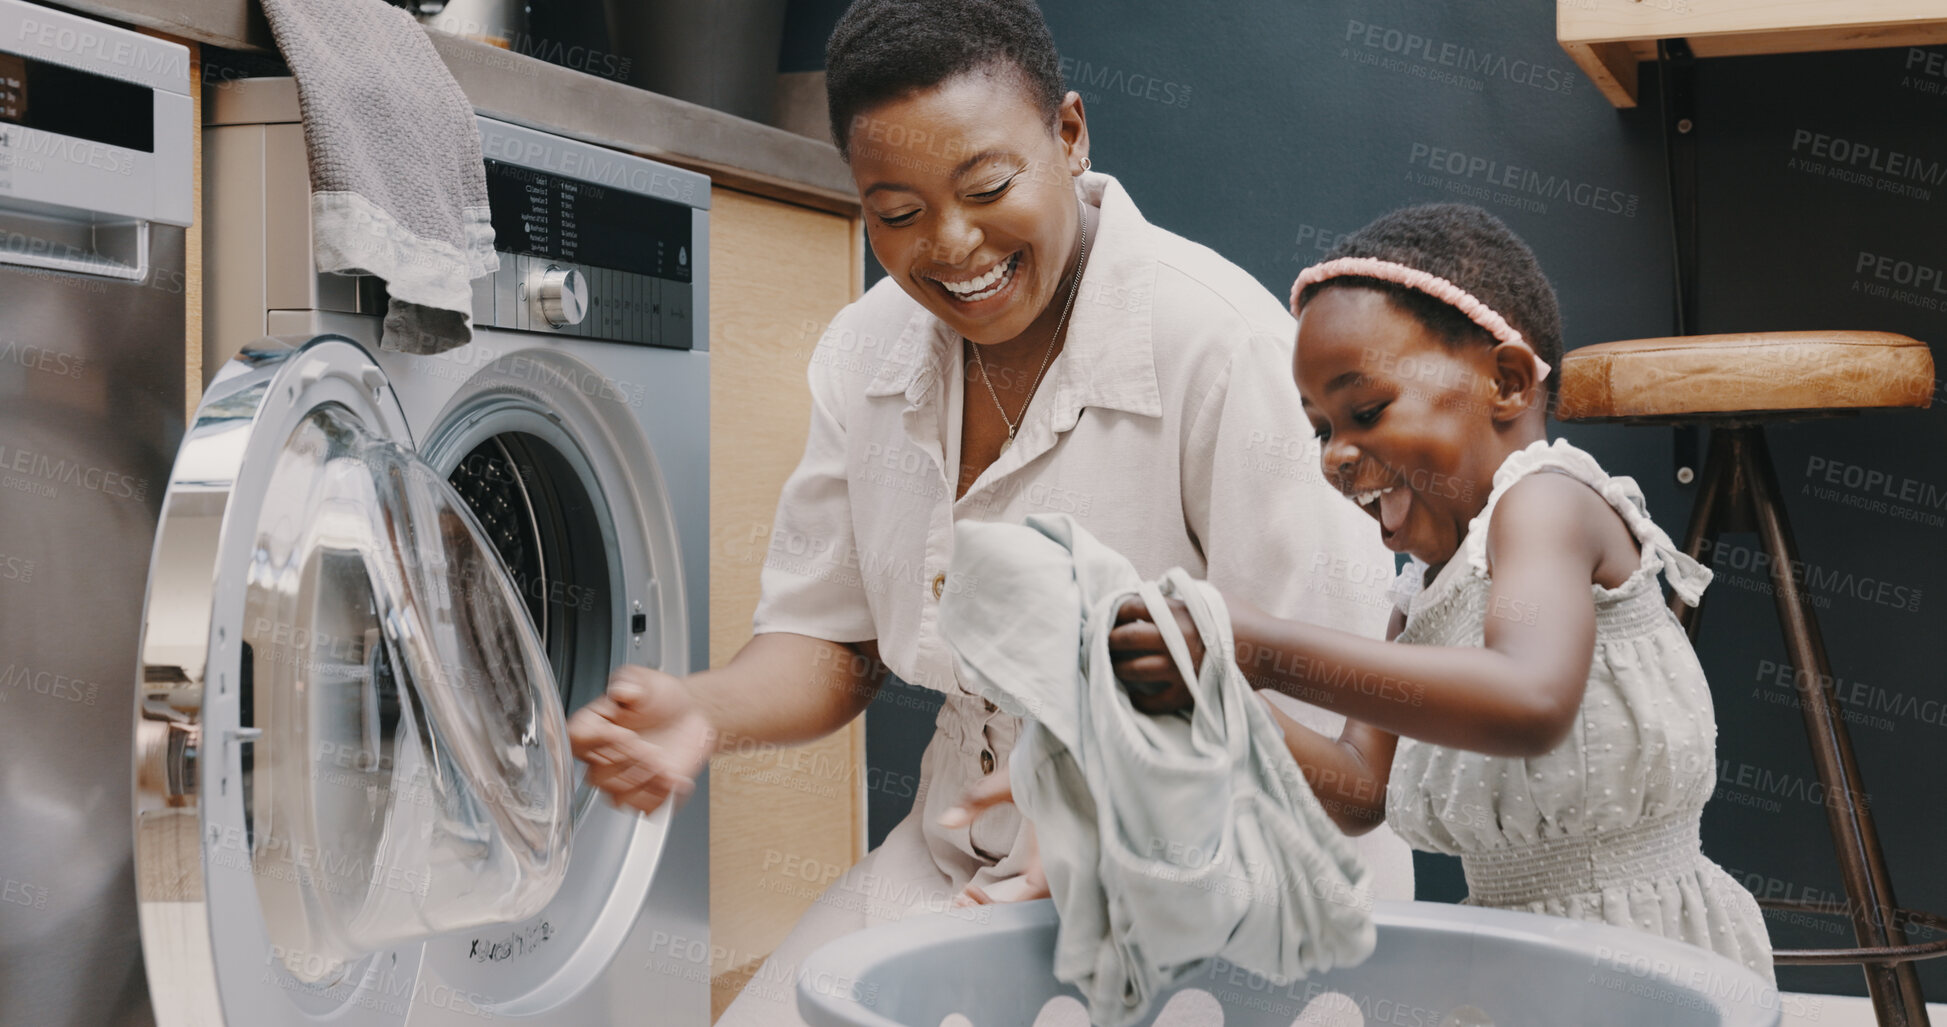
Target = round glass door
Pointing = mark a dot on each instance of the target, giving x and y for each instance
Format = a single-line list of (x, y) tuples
[(348, 727)]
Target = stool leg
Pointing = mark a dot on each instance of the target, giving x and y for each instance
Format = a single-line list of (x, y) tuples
[(1895, 989), (1716, 491)]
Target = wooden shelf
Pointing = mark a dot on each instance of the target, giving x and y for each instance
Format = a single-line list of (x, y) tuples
[(1607, 38)]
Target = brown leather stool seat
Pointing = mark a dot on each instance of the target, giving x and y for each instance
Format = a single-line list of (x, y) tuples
[(1734, 384), (1751, 376)]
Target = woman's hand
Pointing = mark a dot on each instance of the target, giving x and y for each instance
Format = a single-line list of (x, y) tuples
[(1143, 663), (985, 793), (645, 741)]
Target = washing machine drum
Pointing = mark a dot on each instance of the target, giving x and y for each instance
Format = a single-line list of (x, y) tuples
[(349, 733)]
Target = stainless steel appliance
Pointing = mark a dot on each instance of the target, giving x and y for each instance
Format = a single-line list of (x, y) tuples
[(95, 194), (574, 428), (367, 565)]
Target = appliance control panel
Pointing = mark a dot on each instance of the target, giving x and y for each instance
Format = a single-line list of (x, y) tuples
[(593, 243), (96, 139)]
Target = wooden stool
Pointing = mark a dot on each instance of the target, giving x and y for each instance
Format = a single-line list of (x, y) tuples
[(1734, 384)]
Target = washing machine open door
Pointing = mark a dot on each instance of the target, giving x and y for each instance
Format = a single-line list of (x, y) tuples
[(348, 737)]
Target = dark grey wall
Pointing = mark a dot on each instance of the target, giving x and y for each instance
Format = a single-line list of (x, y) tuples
[(1264, 128)]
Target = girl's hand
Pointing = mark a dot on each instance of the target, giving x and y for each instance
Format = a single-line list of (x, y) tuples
[(1143, 663), (985, 793)]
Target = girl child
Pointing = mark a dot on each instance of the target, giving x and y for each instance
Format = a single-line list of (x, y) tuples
[(1547, 720)]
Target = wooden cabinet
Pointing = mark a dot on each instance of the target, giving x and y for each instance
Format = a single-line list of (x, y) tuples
[(1607, 38), (779, 273)]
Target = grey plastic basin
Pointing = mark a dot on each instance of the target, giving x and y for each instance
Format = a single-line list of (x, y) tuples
[(1435, 965)]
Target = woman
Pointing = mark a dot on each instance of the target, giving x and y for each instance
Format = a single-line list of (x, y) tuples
[(1036, 346)]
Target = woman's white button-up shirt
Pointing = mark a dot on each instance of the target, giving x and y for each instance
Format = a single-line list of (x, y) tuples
[(1168, 425)]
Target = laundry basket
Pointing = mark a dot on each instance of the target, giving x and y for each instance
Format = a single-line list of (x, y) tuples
[(1435, 965)]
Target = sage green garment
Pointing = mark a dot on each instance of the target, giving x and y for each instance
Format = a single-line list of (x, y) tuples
[(1167, 840)]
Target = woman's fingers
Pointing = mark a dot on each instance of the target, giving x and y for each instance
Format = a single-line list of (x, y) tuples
[(640, 698), (626, 767), (644, 741), (654, 792)]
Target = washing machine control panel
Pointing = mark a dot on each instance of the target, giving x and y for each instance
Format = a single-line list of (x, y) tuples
[(562, 294), (593, 243)]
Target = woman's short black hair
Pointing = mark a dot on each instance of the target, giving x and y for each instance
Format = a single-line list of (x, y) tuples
[(1472, 249), (885, 49)]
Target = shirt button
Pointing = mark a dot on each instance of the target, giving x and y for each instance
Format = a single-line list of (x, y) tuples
[(986, 761), (939, 583)]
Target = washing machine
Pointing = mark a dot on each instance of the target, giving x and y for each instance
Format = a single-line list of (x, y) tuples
[(380, 582)]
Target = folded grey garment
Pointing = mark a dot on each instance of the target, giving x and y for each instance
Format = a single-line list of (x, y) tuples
[(398, 189), (1167, 840)]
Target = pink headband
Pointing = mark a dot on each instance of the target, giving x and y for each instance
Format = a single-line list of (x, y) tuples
[(1433, 285)]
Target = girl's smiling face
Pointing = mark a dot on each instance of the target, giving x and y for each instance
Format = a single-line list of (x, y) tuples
[(1405, 420), (970, 201)]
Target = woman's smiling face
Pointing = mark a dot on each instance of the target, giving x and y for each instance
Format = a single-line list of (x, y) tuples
[(970, 200), (1402, 418)]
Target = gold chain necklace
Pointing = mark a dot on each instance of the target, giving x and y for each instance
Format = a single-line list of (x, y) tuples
[(1081, 260)]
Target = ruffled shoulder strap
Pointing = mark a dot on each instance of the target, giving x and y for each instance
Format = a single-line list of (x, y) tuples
[(1408, 584), (1687, 577)]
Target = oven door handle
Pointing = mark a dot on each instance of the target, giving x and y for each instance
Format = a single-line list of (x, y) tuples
[(24, 243)]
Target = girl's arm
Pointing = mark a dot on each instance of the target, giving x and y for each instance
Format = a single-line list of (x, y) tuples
[(1348, 774), (1516, 696)]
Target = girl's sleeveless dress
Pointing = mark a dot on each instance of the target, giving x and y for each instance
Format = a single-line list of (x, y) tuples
[(1605, 826)]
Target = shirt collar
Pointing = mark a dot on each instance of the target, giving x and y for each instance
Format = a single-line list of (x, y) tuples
[(1109, 359)]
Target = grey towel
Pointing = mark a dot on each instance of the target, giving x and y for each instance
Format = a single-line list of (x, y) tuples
[(1168, 841), (397, 185)]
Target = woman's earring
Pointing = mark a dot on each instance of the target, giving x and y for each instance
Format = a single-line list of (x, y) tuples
[(1085, 164)]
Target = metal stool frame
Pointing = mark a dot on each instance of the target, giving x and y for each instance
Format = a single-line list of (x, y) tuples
[(1739, 492)]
